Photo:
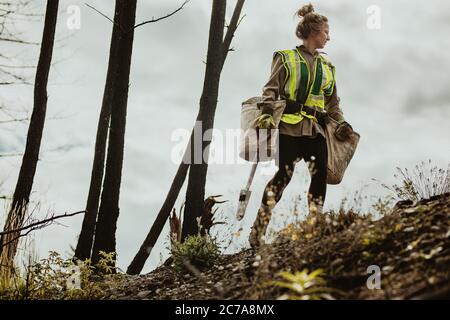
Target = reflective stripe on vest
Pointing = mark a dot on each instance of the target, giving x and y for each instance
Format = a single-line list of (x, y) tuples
[(298, 78)]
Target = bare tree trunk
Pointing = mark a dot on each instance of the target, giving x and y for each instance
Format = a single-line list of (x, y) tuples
[(108, 214), (144, 251), (86, 239), (195, 194), (27, 172)]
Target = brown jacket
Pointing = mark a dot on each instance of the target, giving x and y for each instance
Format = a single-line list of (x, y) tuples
[(274, 88)]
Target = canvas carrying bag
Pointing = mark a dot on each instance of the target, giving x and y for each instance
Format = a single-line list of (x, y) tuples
[(258, 145), (340, 153)]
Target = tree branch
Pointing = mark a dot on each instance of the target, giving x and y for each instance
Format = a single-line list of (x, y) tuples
[(11, 155), (14, 120), (104, 15), (161, 18), (19, 41), (41, 223)]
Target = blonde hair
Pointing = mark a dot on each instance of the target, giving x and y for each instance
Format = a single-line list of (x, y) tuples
[(310, 21)]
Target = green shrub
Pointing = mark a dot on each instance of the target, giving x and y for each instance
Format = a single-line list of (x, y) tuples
[(55, 278), (199, 251)]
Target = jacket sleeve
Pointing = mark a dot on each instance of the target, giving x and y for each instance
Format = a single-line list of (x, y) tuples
[(273, 87), (332, 106)]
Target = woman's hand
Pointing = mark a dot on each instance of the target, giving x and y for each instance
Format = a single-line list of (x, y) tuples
[(343, 131), (265, 121)]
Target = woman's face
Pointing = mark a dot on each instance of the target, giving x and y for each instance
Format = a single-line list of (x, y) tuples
[(321, 37)]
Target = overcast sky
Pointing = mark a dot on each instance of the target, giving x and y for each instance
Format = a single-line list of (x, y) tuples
[(393, 83)]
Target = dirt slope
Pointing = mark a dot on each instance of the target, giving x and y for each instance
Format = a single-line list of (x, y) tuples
[(410, 245)]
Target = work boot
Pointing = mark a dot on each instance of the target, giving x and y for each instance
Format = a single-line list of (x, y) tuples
[(260, 226)]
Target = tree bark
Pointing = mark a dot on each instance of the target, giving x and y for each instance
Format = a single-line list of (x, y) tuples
[(30, 158), (138, 262), (86, 238), (195, 194), (234, 23), (109, 207)]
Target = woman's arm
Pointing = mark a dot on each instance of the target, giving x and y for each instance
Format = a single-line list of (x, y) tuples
[(273, 87), (332, 106)]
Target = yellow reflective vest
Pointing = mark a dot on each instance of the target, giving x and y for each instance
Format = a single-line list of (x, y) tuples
[(298, 79)]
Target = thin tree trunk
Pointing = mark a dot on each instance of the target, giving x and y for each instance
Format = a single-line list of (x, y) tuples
[(138, 262), (234, 23), (27, 172), (86, 238), (108, 214), (195, 194)]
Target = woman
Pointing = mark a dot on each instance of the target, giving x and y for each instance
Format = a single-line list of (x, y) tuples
[(306, 80)]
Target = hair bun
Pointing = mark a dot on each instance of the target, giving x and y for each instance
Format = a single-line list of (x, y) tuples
[(306, 9), (310, 21)]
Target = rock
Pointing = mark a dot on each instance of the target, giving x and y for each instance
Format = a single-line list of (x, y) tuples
[(337, 262), (143, 294), (387, 269)]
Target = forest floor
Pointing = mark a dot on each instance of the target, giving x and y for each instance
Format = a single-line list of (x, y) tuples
[(410, 245)]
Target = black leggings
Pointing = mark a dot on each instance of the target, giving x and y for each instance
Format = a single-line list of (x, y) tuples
[(290, 151)]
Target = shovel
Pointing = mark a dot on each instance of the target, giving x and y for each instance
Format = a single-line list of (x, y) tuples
[(244, 195)]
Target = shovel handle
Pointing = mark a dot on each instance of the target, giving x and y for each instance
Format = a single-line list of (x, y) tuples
[(250, 177)]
